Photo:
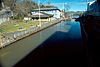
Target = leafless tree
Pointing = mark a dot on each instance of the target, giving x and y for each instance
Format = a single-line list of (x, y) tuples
[(0, 4), (10, 3), (19, 6)]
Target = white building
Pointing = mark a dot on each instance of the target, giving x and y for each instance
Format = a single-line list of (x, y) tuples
[(53, 11)]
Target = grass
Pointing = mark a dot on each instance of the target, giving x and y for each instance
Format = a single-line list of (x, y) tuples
[(12, 27)]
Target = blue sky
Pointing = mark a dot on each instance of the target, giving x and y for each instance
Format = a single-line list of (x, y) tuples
[(72, 5)]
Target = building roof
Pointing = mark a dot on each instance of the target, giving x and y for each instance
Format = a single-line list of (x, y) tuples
[(42, 15), (46, 9)]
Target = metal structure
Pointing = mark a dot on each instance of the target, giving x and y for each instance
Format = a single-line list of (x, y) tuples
[(39, 13)]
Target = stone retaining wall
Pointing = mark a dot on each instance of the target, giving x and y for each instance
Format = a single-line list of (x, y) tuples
[(13, 37)]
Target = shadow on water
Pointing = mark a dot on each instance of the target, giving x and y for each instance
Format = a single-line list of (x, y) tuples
[(62, 48)]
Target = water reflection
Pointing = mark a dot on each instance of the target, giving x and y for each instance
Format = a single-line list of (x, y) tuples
[(64, 32), (63, 27), (62, 47)]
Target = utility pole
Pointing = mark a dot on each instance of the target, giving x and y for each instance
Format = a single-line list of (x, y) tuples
[(49, 3), (64, 9), (39, 13), (64, 6)]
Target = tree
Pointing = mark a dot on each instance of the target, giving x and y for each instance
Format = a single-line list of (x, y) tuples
[(0, 4), (10, 3), (34, 5), (24, 7), (47, 6)]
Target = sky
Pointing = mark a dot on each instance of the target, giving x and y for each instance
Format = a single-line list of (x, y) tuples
[(70, 5)]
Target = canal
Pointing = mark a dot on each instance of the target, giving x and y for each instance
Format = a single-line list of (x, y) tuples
[(59, 44)]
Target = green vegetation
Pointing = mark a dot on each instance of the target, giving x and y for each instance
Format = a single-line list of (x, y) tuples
[(35, 6), (20, 8), (17, 17), (47, 6), (18, 26)]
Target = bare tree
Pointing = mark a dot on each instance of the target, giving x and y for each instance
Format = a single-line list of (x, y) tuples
[(9, 3), (23, 7), (34, 5), (0, 4), (18, 6), (27, 6)]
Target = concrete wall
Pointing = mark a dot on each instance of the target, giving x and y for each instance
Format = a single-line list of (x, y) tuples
[(94, 8)]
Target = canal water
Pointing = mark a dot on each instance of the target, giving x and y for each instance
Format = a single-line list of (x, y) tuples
[(56, 45)]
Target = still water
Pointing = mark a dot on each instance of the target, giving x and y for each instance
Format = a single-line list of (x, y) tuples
[(63, 33)]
